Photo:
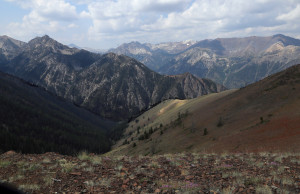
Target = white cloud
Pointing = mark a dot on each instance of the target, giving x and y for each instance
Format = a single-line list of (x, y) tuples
[(72, 25), (116, 22), (57, 10), (292, 15), (160, 6), (44, 16)]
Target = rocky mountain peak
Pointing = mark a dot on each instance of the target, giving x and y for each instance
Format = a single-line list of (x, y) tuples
[(8, 41), (112, 59), (119, 60), (10, 47), (286, 40), (45, 42), (4, 37), (110, 55), (132, 48), (42, 40)]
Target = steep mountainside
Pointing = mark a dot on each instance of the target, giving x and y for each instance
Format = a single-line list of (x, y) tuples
[(112, 85), (127, 86), (35, 121), (263, 116), (233, 62)]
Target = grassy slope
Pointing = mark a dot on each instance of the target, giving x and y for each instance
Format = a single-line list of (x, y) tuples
[(34, 121), (264, 116)]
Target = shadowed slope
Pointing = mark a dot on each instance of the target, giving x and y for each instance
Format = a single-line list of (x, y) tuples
[(35, 121)]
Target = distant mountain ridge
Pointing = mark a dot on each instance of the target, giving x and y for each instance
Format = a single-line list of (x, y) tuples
[(114, 86), (152, 55), (233, 62)]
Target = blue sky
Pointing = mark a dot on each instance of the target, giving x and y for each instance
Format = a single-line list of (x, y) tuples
[(103, 24)]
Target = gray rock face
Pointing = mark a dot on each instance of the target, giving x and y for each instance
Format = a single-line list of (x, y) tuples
[(114, 86), (233, 62)]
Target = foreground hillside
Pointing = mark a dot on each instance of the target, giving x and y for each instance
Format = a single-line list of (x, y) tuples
[(111, 85), (179, 173), (35, 121), (264, 116)]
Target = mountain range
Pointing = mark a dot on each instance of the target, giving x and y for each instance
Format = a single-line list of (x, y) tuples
[(206, 136), (111, 85), (119, 87), (232, 62)]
